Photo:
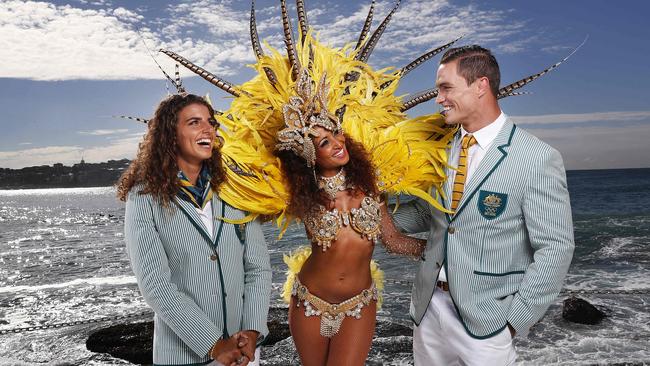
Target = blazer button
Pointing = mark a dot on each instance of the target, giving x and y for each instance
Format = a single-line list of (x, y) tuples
[(451, 230), (213, 257), (438, 264)]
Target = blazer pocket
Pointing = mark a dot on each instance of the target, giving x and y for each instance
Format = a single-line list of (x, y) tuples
[(499, 274), (498, 285)]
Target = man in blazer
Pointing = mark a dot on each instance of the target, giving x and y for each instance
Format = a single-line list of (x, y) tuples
[(204, 284), (497, 260)]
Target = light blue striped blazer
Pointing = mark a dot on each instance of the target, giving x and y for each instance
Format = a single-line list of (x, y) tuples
[(509, 245), (196, 300)]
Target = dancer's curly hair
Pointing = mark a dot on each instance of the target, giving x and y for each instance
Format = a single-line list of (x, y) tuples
[(155, 166), (303, 189)]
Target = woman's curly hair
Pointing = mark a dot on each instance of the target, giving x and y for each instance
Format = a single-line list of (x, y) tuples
[(303, 189), (155, 167)]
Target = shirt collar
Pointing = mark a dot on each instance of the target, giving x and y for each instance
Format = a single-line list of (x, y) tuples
[(487, 134)]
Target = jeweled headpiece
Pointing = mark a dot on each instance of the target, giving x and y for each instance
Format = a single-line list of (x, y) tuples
[(304, 112)]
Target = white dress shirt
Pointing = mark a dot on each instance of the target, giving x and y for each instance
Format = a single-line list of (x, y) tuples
[(484, 138), (206, 216)]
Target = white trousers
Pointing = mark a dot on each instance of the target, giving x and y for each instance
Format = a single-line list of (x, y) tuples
[(441, 339)]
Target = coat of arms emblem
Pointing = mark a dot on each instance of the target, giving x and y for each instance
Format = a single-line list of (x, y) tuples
[(492, 204)]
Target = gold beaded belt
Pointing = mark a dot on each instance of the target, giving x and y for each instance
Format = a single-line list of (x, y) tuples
[(332, 315)]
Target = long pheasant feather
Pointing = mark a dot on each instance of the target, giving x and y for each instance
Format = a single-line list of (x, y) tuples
[(374, 38), (210, 77), (257, 48), (292, 54), (366, 26), (423, 58), (506, 90), (419, 98), (302, 20)]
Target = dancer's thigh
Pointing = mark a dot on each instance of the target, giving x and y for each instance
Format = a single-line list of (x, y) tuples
[(350, 346), (311, 346)]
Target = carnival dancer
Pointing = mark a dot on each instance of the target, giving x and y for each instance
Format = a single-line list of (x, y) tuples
[(333, 191), (498, 260), (207, 281)]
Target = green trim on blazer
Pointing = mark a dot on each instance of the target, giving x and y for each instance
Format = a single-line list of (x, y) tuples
[(498, 274)]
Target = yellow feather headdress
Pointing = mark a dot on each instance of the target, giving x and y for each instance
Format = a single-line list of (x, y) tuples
[(409, 154)]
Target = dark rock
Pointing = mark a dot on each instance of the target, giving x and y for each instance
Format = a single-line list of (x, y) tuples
[(278, 324), (580, 311), (131, 342), (277, 332)]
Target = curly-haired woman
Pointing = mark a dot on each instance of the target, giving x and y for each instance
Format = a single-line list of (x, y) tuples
[(207, 281), (331, 181)]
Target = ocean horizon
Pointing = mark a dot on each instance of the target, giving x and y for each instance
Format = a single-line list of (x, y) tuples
[(62, 259)]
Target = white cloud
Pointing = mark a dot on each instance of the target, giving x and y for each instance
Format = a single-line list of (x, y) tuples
[(127, 15), (551, 119), (40, 156), (46, 42), (103, 132), (419, 26), (557, 49), (93, 40), (117, 149)]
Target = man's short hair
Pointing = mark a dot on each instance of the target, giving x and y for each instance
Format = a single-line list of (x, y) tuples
[(474, 62)]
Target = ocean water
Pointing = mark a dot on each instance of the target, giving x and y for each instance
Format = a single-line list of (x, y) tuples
[(62, 259)]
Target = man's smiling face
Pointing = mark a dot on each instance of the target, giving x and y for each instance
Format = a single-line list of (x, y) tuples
[(459, 100)]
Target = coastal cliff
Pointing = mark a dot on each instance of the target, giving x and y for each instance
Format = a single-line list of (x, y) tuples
[(60, 176)]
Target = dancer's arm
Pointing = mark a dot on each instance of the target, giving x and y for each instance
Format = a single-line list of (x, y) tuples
[(394, 241)]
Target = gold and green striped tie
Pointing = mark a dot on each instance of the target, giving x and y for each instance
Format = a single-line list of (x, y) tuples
[(461, 173)]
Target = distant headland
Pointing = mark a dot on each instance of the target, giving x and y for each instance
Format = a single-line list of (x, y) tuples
[(81, 174)]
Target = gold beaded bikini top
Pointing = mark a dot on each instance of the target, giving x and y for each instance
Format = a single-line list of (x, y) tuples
[(324, 225)]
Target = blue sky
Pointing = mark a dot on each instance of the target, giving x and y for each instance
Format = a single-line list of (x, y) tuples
[(68, 66)]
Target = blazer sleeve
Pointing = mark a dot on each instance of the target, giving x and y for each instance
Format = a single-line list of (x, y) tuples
[(150, 265), (412, 217), (257, 281), (547, 214)]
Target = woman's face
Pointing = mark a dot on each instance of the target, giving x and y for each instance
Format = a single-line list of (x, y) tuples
[(331, 153), (195, 135)]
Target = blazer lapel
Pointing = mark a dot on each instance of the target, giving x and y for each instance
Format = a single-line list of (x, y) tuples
[(489, 164), (190, 212)]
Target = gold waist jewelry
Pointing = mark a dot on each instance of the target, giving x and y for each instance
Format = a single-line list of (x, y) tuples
[(332, 315), (324, 226)]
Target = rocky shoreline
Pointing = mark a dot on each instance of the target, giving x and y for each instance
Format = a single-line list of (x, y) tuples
[(392, 341)]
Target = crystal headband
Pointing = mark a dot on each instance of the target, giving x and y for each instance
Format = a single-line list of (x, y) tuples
[(304, 112)]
